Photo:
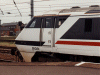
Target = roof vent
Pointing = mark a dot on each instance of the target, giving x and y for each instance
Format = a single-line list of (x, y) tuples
[(94, 6), (75, 7)]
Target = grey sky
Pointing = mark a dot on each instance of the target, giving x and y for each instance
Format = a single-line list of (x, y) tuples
[(40, 7)]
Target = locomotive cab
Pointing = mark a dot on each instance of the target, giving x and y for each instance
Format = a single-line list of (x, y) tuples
[(39, 35)]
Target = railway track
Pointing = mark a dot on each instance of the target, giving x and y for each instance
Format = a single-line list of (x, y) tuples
[(9, 54)]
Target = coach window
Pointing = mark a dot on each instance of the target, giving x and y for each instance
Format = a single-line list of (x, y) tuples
[(48, 23), (88, 25)]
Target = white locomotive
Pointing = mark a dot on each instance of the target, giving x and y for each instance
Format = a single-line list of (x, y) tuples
[(68, 31)]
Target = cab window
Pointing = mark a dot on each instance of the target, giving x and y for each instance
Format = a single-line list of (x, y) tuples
[(61, 21), (34, 23)]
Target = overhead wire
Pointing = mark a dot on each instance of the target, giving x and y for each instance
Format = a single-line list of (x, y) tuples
[(20, 3), (26, 2), (39, 6), (13, 16), (52, 4), (16, 3), (17, 8)]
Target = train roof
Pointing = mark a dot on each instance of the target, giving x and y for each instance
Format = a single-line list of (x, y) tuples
[(90, 9), (93, 9)]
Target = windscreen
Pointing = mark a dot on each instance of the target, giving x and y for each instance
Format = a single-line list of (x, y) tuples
[(34, 23)]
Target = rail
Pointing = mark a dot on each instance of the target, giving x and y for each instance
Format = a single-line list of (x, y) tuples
[(7, 47), (7, 40), (5, 51)]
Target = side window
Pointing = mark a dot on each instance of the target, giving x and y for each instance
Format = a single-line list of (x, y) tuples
[(61, 21), (88, 25), (48, 23)]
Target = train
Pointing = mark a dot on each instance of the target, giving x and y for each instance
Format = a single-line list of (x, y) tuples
[(74, 31)]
